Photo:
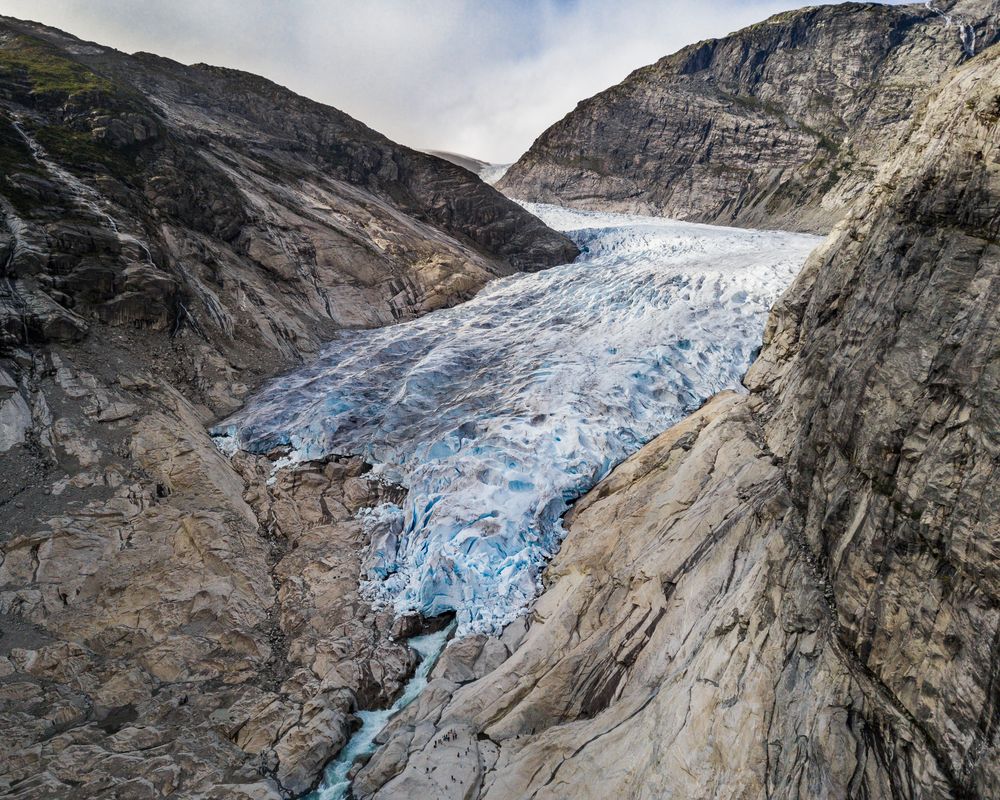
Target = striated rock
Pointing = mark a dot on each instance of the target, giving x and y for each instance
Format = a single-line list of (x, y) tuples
[(173, 623), (208, 615), (780, 125), (143, 193), (792, 593)]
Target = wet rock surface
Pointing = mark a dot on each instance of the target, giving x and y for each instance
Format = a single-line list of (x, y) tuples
[(780, 125), (792, 593)]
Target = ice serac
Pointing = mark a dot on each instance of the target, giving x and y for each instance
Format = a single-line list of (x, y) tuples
[(495, 415), (779, 125), (793, 593)]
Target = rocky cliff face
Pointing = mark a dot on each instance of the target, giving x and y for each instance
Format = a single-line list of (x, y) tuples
[(176, 195), (779, 125), (172, 623), (793, 593)]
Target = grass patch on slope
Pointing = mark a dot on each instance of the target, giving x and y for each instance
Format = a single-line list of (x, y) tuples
[(46, 71)]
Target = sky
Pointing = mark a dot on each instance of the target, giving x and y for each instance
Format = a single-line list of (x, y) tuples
[(479, 77)]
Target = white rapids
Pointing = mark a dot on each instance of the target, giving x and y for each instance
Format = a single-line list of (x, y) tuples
[(336, 780), (497, 414)]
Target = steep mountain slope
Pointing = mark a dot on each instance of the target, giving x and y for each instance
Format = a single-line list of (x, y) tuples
[(172, 623), (778, 125), (215, 169), (474, 165), (793, 593)]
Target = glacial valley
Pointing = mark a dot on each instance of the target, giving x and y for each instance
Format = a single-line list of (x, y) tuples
[(497, 414), (340, 470)]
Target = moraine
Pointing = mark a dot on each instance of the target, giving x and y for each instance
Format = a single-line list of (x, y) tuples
[(497, 414)]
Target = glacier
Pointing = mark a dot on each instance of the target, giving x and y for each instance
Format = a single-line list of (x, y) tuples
[(492, 173), (497, 414)]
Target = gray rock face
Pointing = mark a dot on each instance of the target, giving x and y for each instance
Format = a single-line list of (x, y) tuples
[(173, 623), (138, 191), (779, 125), (793, 593)]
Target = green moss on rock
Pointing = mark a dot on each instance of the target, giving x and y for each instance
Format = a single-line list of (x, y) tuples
[(46, 71), (15, 159), (78, 149)]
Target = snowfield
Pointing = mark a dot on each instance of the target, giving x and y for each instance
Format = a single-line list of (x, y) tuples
[(497, 414)]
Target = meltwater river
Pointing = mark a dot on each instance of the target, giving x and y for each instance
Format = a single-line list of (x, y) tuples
[(497, 414)]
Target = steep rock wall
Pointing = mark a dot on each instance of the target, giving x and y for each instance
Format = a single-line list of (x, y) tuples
[(779, 125), (792, 593)]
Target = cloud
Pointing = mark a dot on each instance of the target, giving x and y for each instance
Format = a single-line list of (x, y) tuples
[(482, 77)]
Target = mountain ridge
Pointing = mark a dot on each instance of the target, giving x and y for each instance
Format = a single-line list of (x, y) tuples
[(779, 125), (172, 237)]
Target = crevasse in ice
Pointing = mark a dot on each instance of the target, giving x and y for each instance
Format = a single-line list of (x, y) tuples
[(497, 414)]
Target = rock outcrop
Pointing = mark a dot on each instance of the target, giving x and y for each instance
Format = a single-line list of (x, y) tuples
[(792, 593), (142, 192), (779, 125), (173, 623)]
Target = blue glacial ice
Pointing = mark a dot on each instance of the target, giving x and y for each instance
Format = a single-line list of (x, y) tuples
[(497, 414)]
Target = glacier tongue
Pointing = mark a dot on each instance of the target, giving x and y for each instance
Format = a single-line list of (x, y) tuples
[(498, 413)]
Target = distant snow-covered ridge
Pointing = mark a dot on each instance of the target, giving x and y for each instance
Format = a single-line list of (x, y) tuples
[(498, 413), (491, 173)]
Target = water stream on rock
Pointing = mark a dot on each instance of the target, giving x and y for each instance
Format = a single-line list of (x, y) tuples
[(497, 414), (84, 196), (966, 33), (362, 743)]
